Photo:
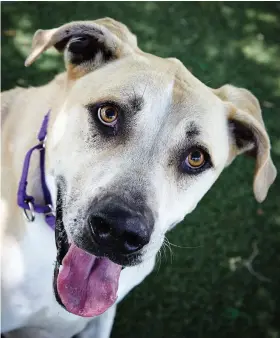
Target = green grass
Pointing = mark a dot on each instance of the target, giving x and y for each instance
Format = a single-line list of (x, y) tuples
[(202, 292)]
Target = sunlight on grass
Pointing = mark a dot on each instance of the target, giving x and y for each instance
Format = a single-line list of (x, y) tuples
[(276, 147), (258, 51), (145, 29), (269, 18), (250, 28), (48, 62), (212, 51), (23, 42), (277, 220), (227, 11), (265, 17), (272, 333), (24, 22), (150, 6)]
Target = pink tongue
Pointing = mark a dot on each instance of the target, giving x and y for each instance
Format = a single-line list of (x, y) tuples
[(87, 285)]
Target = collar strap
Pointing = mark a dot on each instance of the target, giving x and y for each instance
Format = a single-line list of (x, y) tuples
[(27, 202)]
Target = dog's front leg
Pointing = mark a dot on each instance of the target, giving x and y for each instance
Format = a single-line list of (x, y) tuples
[(99, 327)]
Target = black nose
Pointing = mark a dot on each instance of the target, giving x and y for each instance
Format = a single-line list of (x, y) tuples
[(119, 230)]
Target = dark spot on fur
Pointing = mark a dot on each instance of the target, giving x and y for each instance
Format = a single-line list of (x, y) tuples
[(136, 103), (192, 130)]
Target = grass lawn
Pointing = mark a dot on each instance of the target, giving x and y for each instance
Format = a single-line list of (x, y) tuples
[(207, 290)]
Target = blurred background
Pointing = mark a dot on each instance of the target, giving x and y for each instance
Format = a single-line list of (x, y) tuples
[(221, 275)]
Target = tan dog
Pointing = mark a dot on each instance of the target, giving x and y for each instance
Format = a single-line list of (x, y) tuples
[(134, 141)]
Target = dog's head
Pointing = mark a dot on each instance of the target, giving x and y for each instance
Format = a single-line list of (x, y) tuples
[(136, 144)]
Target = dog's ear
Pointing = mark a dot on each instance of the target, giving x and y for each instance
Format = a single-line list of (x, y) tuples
[(86, 44), (249, 135)]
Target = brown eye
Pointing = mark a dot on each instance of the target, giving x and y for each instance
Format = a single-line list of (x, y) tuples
[(108, 115), (195, 159)]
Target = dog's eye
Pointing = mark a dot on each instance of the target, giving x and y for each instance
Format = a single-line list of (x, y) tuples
[(196, 159), (108, 115)]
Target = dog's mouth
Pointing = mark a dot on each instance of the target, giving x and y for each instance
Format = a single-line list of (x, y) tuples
[(86, 285)]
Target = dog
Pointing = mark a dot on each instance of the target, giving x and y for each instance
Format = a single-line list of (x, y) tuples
[(129, 144)]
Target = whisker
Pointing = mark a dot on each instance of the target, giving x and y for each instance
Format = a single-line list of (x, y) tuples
[(163, 247), (158, 260), (185, 247), (144, 91), (167, 244)]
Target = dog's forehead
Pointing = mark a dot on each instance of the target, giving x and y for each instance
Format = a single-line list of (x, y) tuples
[(171, 96), (133, 73), (147, 75)]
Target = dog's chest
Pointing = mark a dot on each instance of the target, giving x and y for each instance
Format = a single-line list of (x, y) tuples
[(27, 281)]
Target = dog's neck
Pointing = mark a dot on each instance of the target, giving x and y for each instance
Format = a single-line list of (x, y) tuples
[(18, 139)]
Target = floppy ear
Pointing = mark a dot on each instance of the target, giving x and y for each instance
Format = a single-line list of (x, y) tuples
[(249, 135), (86, 44)]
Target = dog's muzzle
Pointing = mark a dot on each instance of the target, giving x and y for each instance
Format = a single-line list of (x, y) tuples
[(90, 261)]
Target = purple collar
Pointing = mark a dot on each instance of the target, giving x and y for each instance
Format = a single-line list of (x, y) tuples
[(26, 202)]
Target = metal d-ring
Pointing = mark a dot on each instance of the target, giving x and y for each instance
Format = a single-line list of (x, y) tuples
[(43, 143), (29, 214), (51, 212)]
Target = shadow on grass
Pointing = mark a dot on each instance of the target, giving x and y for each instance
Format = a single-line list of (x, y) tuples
[(203, 293)]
